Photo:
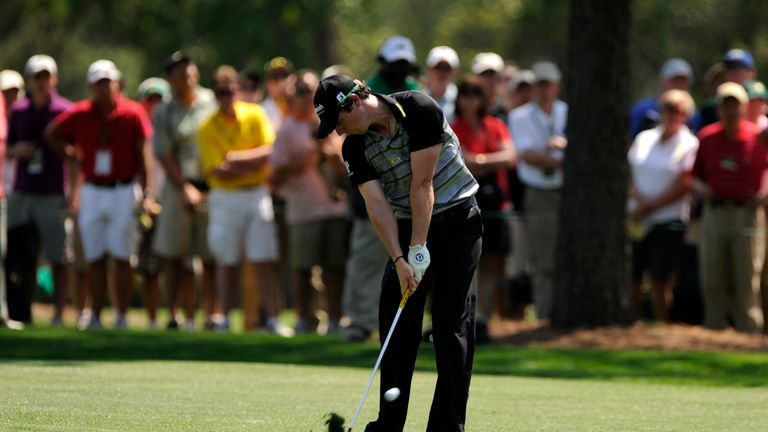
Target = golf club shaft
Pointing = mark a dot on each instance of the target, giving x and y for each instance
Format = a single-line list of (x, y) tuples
[(378, 360)]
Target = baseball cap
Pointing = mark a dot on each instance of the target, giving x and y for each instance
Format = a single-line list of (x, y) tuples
[(442, 54), (756, 90), (739, 57), (675, 67), (731, 90), (10, 79), (102, 69), (152, 86), (38, 63), (176, 58), (487, 61), (524, 76), (329, 96), (546, 71), (397, 48), (278, 64)]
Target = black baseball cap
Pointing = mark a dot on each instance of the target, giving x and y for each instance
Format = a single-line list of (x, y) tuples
[(329, 97), (176, 58)]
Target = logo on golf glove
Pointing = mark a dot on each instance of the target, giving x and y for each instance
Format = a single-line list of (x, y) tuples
[(418, 258)]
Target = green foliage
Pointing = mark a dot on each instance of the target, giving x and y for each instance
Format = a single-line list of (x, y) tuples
[(138, 35)]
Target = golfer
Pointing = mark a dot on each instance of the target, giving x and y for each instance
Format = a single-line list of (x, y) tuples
[(407, 163)]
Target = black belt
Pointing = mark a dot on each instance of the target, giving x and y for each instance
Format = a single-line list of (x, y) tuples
[(110, 183), (457, 210), (718, 202)]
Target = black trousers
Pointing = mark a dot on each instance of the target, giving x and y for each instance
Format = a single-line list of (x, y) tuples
[(454, 243)]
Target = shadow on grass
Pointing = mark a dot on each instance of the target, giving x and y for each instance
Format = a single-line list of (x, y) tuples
[(696, 368)]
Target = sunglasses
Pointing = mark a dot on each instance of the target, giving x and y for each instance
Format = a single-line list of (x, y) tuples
[(344, 99), (223, 92)]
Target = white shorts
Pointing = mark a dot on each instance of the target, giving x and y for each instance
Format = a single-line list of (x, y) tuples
[(241, 220), (106, 221)]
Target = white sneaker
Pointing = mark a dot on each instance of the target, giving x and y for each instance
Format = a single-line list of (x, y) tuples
[(89, 323), (274, 327)]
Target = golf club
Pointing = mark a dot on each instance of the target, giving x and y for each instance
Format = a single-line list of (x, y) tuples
[(378, 360)]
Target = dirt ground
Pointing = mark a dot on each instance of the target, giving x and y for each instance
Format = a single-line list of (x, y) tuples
[(640, 336)]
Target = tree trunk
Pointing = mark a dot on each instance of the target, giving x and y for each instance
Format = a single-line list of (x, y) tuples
[(592, 284)]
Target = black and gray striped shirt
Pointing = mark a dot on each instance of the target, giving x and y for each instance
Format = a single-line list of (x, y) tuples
[(420, 124)]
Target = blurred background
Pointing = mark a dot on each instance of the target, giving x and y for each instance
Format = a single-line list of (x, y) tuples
[(138, 35)]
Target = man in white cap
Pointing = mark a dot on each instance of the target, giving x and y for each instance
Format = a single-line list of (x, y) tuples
[(488, 66), (538, 129), (442, 67), (12, 86), (38, 188), (677, 74), (104, 137), (729, 166), (396, 58)]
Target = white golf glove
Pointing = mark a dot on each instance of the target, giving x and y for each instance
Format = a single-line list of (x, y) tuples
[(418, 258)]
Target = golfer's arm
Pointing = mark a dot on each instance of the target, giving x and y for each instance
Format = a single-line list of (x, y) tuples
[(423, 163), (382, 217)]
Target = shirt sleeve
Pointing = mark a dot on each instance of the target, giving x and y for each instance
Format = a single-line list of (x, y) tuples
[(144, 126), (690, 158), (423, 121), (698, 164), (359, 170), (522, 131), (266, 132), (161, 139), (207, 145), (13, 128), (66, 123)]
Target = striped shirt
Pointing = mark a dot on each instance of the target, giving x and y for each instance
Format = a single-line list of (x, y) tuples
[(733, 168), (420, 124)]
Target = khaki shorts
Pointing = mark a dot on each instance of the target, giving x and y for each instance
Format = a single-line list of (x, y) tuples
[(242, 221), (324, 243), (46, 212), (179, 233)]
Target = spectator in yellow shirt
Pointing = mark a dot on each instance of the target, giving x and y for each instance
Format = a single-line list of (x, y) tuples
[(235, 145)]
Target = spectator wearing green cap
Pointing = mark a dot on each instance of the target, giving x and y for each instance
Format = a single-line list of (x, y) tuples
[(758, 102)]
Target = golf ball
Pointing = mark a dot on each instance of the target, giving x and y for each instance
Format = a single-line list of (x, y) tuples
[(392, 394)]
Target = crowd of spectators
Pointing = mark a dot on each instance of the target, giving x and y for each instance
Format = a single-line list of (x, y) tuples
[(222, 197)]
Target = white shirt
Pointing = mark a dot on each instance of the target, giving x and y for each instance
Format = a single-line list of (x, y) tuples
[(655, 166), (532, 129), (274, 113)]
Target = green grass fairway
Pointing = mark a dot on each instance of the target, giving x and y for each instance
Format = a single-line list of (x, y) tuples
[(217, 396), (134, 380)]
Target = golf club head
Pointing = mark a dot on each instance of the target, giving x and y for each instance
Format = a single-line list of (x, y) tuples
[(335, 422)]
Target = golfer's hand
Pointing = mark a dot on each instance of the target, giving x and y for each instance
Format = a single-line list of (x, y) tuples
[(418, 258), (406, 276)]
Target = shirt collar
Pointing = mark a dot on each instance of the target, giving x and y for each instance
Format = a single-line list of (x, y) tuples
[(393, 105)]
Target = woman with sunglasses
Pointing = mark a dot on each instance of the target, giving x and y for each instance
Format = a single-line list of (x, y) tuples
[(660, 161), (488, 151), (315, 212), (406, 161)]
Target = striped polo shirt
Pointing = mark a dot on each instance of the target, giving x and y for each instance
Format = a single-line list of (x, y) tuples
[(733, 168), (420, 124)]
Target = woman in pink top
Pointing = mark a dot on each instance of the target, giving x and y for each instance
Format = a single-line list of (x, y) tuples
[(316, 211)]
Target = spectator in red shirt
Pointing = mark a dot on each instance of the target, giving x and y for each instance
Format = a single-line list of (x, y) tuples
[(109, 133), (729, 166), (488, 151)]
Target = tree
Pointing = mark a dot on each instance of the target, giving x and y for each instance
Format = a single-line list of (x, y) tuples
[(592, 284)]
